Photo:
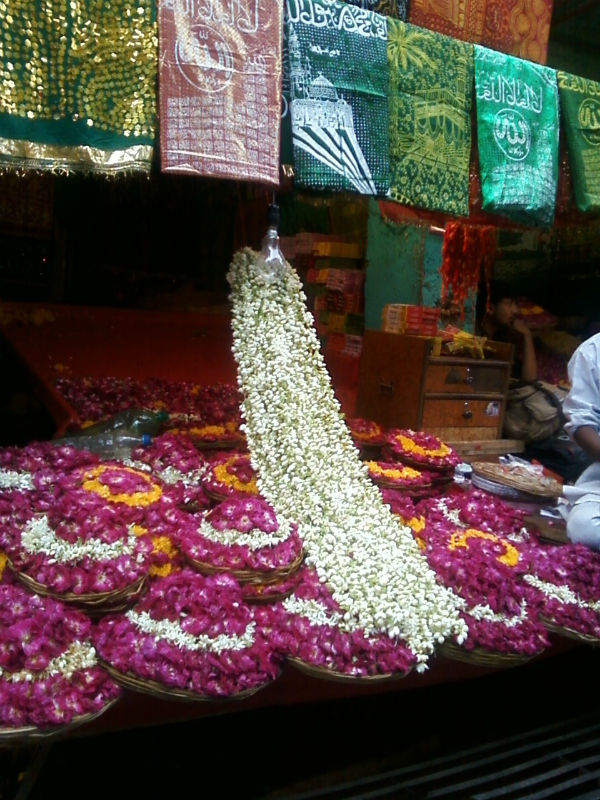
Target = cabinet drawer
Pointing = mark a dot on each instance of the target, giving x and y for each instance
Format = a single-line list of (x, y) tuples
[(454, 413), (465, 378)]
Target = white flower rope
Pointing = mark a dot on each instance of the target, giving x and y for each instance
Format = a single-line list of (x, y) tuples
[(39, 537), (564, 594), (12, 479), (254, 539), (484, 612), (172, 632), (309, 470), (77, 656)]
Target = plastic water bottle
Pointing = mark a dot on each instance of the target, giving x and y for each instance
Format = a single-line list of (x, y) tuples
[(134, 420), (271, 261), (116, 444)]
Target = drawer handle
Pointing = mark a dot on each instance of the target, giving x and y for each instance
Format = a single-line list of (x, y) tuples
[(467, 413), (386, 388), (469, 376)]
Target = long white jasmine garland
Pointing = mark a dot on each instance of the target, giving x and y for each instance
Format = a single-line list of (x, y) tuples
[(172, 632), (484, 612), (39, 537), (309, 470), (316, 613), (564, 594), (11, 479), (254, 539), (77, 656)]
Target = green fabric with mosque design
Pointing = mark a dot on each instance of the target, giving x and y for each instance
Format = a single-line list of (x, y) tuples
[(517, 135), (431, 79)]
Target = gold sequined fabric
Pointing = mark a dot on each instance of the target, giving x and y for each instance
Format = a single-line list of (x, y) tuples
[(77, 84)]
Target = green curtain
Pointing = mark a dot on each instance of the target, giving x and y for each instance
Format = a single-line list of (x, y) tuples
[(517, 133), (431, 80), (580, 103)]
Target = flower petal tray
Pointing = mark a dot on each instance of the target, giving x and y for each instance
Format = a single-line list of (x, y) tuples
[(569, 633), (162, 692), (30, 733), (323, 673), (481, 657)]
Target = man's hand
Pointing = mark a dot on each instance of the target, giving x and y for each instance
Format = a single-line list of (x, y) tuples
[(519, 326)]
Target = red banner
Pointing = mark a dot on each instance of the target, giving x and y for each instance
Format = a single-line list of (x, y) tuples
[(517, 27), (220, 88)]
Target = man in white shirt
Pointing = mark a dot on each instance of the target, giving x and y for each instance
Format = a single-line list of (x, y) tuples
[(582, 409)]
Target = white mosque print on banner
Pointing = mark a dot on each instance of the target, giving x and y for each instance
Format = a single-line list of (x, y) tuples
[(323, 123)]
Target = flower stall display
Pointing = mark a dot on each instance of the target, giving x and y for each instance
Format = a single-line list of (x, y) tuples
[(230, 475), (565, 584), (178, 466), (422, 450), (188, 404), (310, 629), (50, 680), (225, 436), (486, 568), (392, 475), (367, 435), (190, 637), (308, 469), (83, 536), (242, 536)]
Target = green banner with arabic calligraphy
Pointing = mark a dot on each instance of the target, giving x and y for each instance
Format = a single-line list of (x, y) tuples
[(338, 96), (580, 103), (517, 134), (431, 80)]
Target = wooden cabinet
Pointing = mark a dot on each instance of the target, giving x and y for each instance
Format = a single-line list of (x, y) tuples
[(402, 385)]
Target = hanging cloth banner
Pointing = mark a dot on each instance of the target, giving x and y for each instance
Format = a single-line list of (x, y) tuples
[(78, 88), (517, 27), (338, 93), (220, 88), (580, 102), (431, 81), (391, 8), (517, 132)]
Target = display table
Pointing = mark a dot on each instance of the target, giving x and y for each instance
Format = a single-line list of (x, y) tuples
[(135, 710)]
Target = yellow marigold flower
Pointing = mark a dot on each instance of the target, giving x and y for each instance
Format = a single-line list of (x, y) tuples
[(461, 539), (412, 447), (162, 544), (137, 499), (161, 571)]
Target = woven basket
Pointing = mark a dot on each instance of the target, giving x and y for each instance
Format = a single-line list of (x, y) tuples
[(250, 576), (569, 633), (402, 487), (30, 733), (529, 485), (162, 692), (481, 657), (93, 604), (323, 673)]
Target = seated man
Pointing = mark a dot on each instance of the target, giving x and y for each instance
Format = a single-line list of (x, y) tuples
[(582, 409)]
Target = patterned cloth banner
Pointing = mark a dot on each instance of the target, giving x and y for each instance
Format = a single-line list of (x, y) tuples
[(219, 87), (517, 131), (338, 92), (431, 81), (580, 102), (389, 8), (518, 27), (78, 88)]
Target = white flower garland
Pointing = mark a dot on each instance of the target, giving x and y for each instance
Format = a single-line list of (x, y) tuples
[(564, 594), (11, 479), (309, 469), (77, 656), (254, 539), (484, 612), (38, 537), (171, 632), (316, 613)]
